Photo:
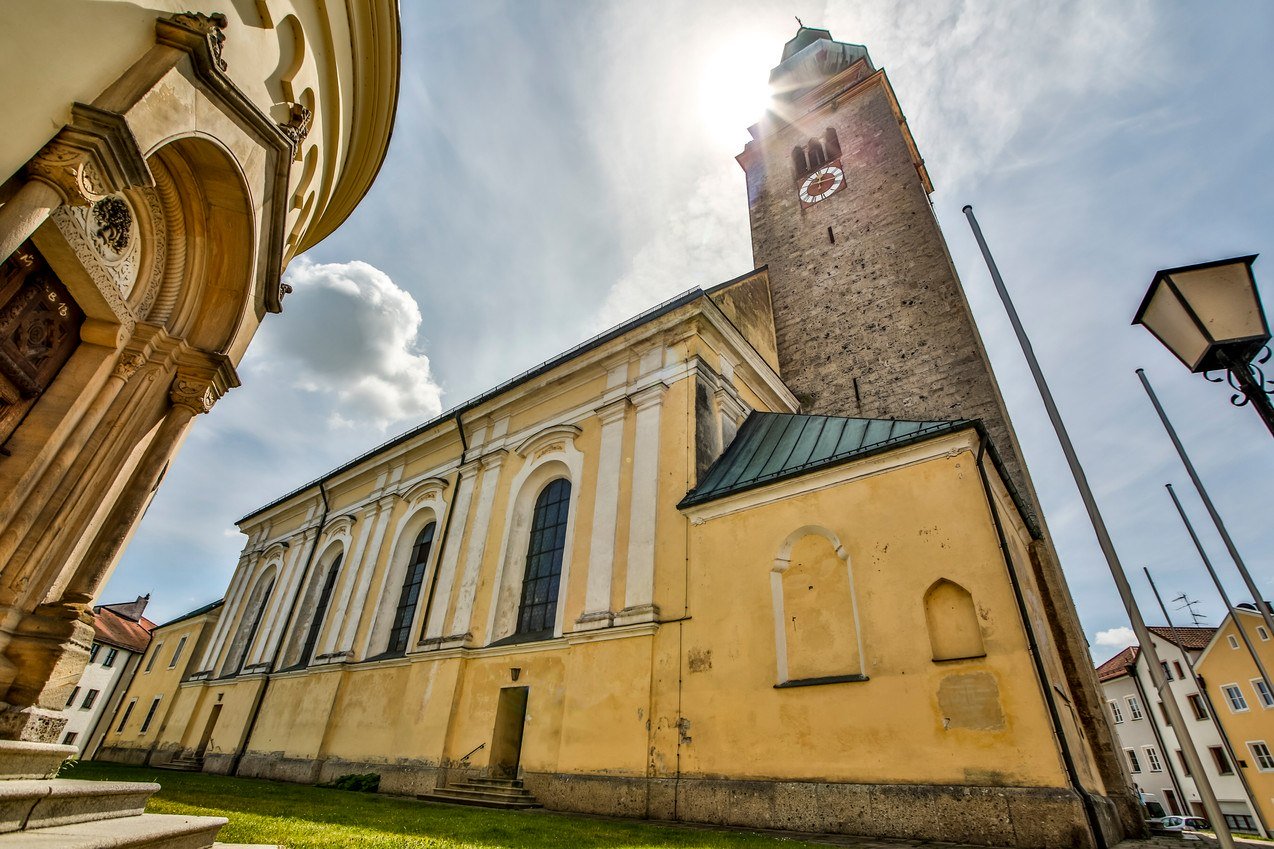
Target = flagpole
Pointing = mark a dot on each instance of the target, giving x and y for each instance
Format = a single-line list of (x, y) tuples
[(1257, 598), (1108, 549)]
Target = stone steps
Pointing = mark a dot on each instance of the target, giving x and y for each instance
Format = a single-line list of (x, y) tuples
[(39, 811), (44, 803), (484, 792), (145, 831)]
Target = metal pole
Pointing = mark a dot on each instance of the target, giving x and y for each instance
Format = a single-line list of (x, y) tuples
[(1212, 714), (1108, 548), (1225, 597), (1257, 598)]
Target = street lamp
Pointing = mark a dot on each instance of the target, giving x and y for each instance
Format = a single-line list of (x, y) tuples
[(1209, 315)]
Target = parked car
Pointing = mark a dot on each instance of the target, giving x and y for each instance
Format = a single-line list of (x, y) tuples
[(1176, 823)]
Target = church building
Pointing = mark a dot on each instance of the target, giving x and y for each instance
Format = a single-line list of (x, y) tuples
[(765, 555)]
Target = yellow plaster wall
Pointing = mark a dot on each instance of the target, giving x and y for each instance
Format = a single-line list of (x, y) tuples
[(1221, 665)]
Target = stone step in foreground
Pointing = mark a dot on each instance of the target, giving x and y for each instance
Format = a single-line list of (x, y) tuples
[(43, 803), (22, 760), (147, 831)]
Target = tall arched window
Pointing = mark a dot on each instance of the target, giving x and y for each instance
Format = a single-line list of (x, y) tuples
[(253, 613), (320, 611), (538, 610), (410, 595)]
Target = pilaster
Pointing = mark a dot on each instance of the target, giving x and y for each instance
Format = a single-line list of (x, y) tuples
[(639, 586), (461, 621), (451, 554), (601, 553)]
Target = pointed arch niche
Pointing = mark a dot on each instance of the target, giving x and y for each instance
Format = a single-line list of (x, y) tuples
[(250, 621), (817, 635), (952, 619)]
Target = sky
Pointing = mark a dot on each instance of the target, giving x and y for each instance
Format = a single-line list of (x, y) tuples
[(557, 167)]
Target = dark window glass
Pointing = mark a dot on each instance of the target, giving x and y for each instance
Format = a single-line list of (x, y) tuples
[(1181, 673), (69, 739), (252, 632), (89, 698), (544, 559), (92, 653), (320, 611), (150, 714), (154, 654), (111, 654), (1196, 704), (1222, 762), (128, 711), (181, 644), (410, 595), (70, 700)]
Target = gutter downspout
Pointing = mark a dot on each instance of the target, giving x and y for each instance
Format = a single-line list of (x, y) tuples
[(300, 589), (446, 529), (1072, 774)]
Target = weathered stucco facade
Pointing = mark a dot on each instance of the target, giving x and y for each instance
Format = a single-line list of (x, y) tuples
[(160, 168), (754, 615)]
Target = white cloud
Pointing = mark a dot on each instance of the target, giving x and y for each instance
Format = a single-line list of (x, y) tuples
[(351, 334), (1116, 638)]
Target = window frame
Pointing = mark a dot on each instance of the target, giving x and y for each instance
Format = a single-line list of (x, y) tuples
[(1135, 712), (1260, 759), (90, 699), (1115, 711), (1221, 760), (1263, 695), (75, 693), (181, 644), (1230, 698), (1198, 706), (70, 737), (1152, 759), (128, 711), (1133, 762), (150, 714), (409, 594), (150, 661), (1234, 641), (546, 542), (109, 660)]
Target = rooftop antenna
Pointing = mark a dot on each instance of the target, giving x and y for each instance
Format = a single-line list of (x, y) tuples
[(798, 22), (1188, 604)]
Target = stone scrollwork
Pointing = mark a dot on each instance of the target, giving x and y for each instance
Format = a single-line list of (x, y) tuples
[(107, 240), (93, 156), (297, 126), (193, 393), (71, 174), (128, 365), (211, 27)]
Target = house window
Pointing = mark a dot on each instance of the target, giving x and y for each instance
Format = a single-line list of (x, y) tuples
[(1234, 696), (181, 644), (320, 611), (70, 700), (150, 714), (1221, 760), (1264, 634), (69, 739), (1264, 760), (410, 595), (89, 698), (1167, 673), (1241, 822), (111, 654), (154, 654), (1152, 759), (1176, 664), (1197, 705), (1116, 712), (128, 711), (1234, 642), (1181, 757), (1163, 709), (1134, 708), (1133, 763), (92, 653), (538, 610), (249, 623), (1263, 693)]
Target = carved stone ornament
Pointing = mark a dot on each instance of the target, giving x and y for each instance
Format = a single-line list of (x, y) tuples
[(70, 172), (93, 156), (211, 27), (297, 126), (128, 365), (107, 241), (193, 393)]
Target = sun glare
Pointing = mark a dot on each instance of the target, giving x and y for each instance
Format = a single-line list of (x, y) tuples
[(734, 88)]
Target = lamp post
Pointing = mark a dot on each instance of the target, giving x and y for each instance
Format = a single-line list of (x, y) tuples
[(1209, 316)]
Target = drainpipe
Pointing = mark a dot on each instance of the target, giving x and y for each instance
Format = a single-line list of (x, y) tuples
[(265, 684), (446, 528), (1068, 761)]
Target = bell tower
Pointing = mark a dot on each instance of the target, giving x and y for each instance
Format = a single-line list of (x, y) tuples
[(869, 316)]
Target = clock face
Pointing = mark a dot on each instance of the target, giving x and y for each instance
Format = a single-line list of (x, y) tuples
[(822, 184)]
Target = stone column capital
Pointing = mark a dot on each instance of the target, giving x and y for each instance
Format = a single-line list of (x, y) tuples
[(90, 158), (492, 460), (612, 412), (191, 392), (127, 365), (649, 396)]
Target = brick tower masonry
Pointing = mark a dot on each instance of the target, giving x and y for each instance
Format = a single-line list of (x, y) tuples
[(870, 317)]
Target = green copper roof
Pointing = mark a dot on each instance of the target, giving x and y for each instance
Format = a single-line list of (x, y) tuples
[(773, 446)]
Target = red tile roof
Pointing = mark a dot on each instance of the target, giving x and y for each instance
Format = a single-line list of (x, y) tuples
[(1118, 665), (1189, 637), (115, 630)]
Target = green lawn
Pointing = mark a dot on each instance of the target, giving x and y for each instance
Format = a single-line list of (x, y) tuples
[(299, 816)]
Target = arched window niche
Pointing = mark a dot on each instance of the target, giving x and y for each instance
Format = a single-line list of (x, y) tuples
[(250, 622), (952, 619), (319, 587), (534, 491), (816, 625), (409, 590)]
